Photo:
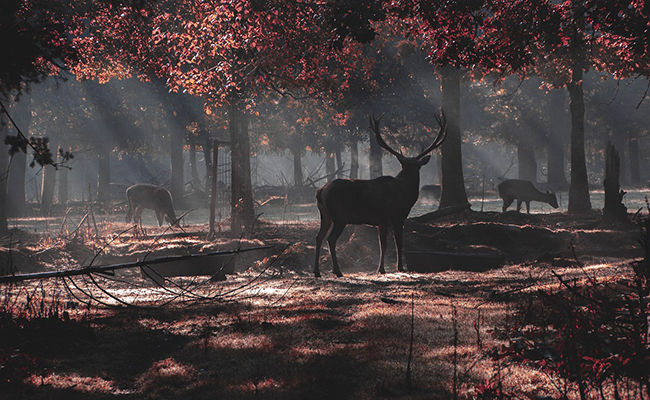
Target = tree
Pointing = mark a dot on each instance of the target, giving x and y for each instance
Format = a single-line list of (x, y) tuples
[(230, 54)]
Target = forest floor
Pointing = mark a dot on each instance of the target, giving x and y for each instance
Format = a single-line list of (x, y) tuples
[(273, 331)]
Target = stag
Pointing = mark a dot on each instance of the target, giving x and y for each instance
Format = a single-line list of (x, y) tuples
[(382, 202)]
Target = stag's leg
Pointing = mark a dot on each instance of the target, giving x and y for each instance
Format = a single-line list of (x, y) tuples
[(397, 231), (518, 205), (506, 203), (325, 223), (381, 231), (331, 240), (528, 207)]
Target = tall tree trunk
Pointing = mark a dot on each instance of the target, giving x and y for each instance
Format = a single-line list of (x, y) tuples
[(176, 142), (63, 186), (298, 178), (207, 155), (104, 179), (354, 160), (635, 170), (241, 207), (614, 210), (453, 181), (339, 162), (4, 164), (374, 157), (49, 180), (330, 167), (16, 205), (527, 163), (556, 140), (579, 201), (193, 168)]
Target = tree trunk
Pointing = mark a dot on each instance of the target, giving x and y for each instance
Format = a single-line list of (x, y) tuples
[(104, 180), (241, 207), (207, 155), (193, 168), (527, 163), (354, 161), (579, 201), (16, 205), (633, 152), (375, 156), (330, 167), (453, 181), (4, 164), (556, 141), (339, 162), (48, 182), (176, 142), (298, 179), (63, 186), (614, 210)]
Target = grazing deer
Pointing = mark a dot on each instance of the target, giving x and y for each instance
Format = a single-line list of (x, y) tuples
[(142, 195), (381, 202), (523, 191)]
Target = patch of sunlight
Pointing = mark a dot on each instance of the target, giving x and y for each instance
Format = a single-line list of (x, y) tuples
[(242, 341), (85, 384)]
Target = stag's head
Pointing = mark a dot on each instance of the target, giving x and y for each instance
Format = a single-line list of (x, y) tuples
[(411, 163)]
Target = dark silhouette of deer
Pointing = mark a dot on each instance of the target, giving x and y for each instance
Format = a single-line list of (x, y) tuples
[(382, 202), (524, 192), (142, 195)]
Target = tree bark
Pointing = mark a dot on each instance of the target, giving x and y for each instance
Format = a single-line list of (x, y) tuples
[(453, 181), (635, 170), (354, 161), (579, 201), (176, 142), (16, 205), (330, 167), (527, 163), (48, 182), (63, 186), (298, 179), (207, 155), (614, 210), (556, 142), (241, 206), (104, 179), (4, 164), (339, 162), (374, 158), (193, 168)]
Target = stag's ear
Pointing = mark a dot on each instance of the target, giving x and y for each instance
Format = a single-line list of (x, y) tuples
[(424, 160)]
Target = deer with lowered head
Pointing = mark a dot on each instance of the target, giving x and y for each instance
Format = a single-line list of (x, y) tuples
[(382, 202), (523, 191), (142, 195)]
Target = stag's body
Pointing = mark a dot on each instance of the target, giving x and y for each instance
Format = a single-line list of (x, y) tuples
[(142, 195), (523, 191), (382, 202)]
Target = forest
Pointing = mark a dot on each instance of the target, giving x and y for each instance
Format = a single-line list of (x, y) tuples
[(278, 199)]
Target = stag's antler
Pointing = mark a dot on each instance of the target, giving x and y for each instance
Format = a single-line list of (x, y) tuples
[(374, 126), (442, 121)]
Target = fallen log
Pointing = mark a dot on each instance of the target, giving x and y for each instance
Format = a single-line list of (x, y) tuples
[(442, 212), (107, 269)]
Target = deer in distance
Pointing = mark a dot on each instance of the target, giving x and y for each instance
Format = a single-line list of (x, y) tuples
[(382, 202), (523, 191), (142, 195)]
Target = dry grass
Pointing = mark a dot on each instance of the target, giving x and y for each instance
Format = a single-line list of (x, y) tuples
[(282, 334)]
